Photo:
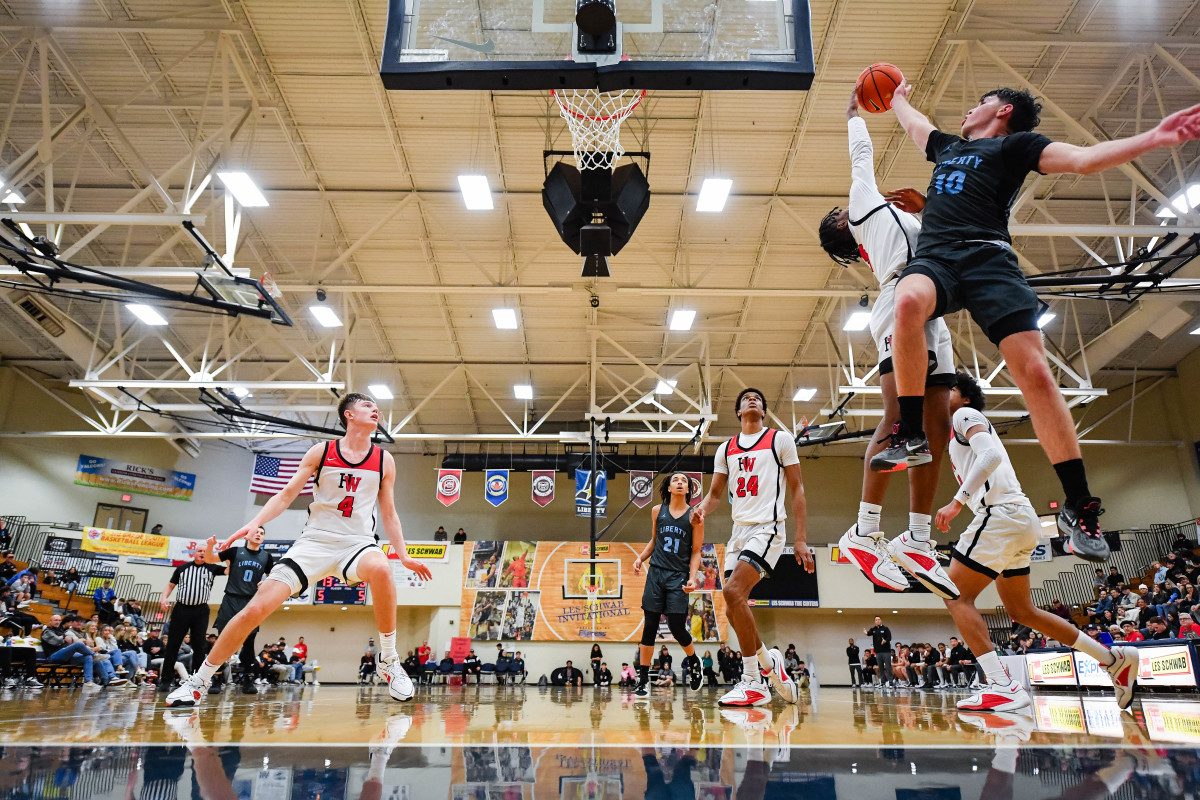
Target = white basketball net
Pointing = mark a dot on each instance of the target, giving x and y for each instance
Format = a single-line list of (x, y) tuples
[(594, 119)]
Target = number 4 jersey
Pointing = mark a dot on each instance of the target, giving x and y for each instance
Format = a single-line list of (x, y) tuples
[(755, 465), (346, 493)]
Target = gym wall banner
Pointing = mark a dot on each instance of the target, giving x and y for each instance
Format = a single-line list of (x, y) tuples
[(124, 543), (105, 473), (1158, 665)]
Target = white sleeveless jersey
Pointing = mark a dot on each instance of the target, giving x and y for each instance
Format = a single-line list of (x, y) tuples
[(886, 236), (1001, 486), (345, 494), (755, 465)]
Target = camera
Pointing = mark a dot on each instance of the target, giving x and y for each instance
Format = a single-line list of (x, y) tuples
[(595, 301), (320, 295)]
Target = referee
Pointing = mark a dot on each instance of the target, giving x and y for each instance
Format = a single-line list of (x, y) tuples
[(247, 567), (190, 614)]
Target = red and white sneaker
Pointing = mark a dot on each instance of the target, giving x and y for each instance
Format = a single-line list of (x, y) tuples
[(747, 692), (1124, 674), (866, 553), (1006, 727), (751, 720), (996, 697), (920, 559), (783, 683)]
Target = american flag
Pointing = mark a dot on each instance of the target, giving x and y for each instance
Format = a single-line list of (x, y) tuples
[(272, 474)]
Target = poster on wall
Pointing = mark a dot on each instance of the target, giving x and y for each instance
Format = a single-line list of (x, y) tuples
[(105, 473), (124, 543)]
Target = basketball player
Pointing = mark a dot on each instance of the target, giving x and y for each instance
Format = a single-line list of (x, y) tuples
[(247, 567), (352, 477), (996, 546), (872, 229), (753, 467), (674, 553), (965, 259)]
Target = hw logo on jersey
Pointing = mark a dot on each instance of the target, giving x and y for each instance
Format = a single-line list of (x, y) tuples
[(495, 486), (349, 482), (746, 463)]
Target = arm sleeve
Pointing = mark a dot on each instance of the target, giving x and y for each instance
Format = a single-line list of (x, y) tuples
[(936, 143), (719, 463), (864, 194), (785, 447), (987, 458), (1022, 151)]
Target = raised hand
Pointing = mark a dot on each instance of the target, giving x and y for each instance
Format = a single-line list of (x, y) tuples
[(242, 533), (907, 199), (1182, 126)]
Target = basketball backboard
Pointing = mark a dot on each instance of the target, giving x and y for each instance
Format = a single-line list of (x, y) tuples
[(246, 293), (658, 44), (602, 575)]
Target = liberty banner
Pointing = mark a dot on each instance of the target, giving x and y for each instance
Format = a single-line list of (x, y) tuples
[(543, 487), (641, 487), (105, 473), (583, 493), (449, 486), (495, 486)]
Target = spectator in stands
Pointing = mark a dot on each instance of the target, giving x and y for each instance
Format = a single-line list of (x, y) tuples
[(1183, 546), (133, 610), (157, 530), (13, 617), (1101, 583), (127, 640), (723, 665), (517, 667), (460, 537), (791, 662), (1142, 614), (1130, 632), (1128, 599), (1057, 608), (628, 676), (1188, 628), (76, 633), (1115, 633), (447, 663), (29, 576), (1156, 628), (604, 676), (566, 675), (805, 677), (27, 656), (124, 661), (929, 673), (411, 666), (962, 662), (103, 599), (366, 669), (870, 666), (472, 666), (440, 534), (664, 657), (664, 676), (1115, 579), (706, 664), (596, 656), (1099, 634), (49, 578), (60, 651), (1160, 571), (1109, 600), (8, 566), (70, 580), (424, 652), (854, 656)]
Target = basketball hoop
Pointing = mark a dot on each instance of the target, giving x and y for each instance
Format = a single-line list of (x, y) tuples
[(594, 119), (593, 597)]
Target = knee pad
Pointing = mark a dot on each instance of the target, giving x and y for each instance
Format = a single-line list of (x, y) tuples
[(650, 628)]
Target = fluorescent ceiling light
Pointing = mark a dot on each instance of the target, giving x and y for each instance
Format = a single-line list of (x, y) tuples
[(713, 194), (241, 391), (523, 391), (325, 315), (804, 395), (506, 318), (11, 196), (682, 319), (1183, 202), (1045, 319), (147, 314), (243, 188), (380, 391), (665, 387), (858, 321), (1196, 332), (476, 192)]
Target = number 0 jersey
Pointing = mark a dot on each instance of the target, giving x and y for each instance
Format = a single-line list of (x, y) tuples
[(345, 494), (672, 540), (755, 465)]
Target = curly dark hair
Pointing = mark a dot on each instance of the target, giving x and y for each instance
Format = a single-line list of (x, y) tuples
[(664, 488), (837, 242), (1026, 108), (737, 406), (969, 388)]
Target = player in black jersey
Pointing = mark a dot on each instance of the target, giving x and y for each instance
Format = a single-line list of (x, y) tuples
[(246, 568), (964, 259), (674, 553)]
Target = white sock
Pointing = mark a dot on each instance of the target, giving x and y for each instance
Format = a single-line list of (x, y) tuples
[(868, 518), (993, 669), (1005, 759), (1086, 644), (918, 526), (764, 657), (750, 668), (378, 765), (207, 670), (387, 645)]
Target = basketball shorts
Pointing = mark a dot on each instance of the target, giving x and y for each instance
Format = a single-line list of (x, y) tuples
[(937, 339), (230, 606), (986, 280), (664, 592), (1000, 540), (758, 545), (318, 554)]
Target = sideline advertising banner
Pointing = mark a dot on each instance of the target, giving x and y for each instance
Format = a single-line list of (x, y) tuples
[(1051, 668), (105, 473), (1165, 665)]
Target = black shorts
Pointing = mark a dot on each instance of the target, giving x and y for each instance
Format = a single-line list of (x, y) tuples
[(664, 592), (986, 280), (230, 606)]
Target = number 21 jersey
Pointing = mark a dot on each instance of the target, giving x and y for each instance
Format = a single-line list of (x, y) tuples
[(755, 465), (346, 493)]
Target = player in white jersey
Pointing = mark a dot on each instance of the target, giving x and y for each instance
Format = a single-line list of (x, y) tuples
[(758, 467), (996, 546), (873, 230), (353, 478)]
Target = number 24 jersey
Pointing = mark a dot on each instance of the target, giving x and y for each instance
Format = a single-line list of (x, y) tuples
[(755, 465)]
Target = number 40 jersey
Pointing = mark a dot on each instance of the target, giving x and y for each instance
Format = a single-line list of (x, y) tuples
[(754, 464), (345, 494)]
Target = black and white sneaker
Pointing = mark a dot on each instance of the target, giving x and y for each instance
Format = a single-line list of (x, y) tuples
[(642, 691), (1082, 527), (692, 670), (903, 452)]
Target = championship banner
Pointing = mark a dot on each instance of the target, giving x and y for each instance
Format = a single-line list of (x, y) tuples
[(697, 481), (105, 473), (124, 543), (641, 487), (583, 497), (449, 486), (495, 486), (543, 487)]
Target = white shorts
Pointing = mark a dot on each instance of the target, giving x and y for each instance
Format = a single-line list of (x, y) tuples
[(318, 554), (758, 545), (937, 336), (1000, 540)]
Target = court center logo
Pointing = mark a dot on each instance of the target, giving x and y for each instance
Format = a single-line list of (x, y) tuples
[(543, 487), (495, 486), (449, 486)]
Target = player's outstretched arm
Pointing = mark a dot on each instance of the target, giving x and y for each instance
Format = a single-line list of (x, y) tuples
[(649, 548), (694, 566), (1060, 157), (915, 124), (986, 462), (716, 490), (391, 520), (280, 501)]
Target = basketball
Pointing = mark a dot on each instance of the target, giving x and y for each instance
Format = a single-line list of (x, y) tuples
[(876, 85)]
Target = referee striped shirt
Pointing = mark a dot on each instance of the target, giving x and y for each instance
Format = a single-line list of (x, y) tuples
[(194, 582)]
